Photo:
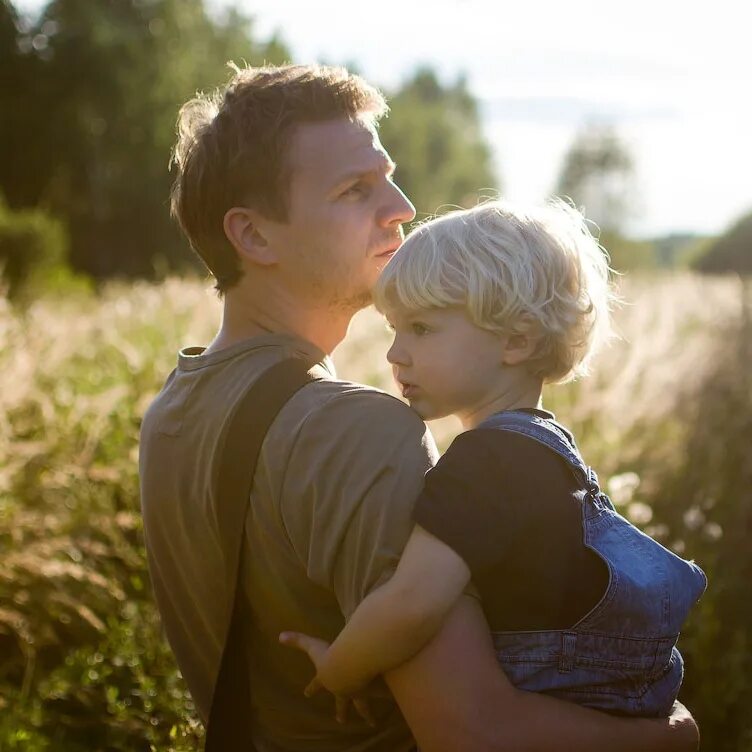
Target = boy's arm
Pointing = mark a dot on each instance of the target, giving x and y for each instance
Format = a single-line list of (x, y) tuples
[(398, 618), (456, 698)]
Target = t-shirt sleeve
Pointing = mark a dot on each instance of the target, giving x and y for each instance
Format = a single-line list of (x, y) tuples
[(469, 500), (348, 513)]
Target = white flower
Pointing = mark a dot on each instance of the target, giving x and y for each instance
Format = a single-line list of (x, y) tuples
[(694, 518), (621, 487), (639, 513)]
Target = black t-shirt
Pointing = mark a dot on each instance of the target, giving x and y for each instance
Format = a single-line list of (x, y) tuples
[(506, 504)]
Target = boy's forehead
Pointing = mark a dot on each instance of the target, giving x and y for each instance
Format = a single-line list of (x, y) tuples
[(336, 147), (396, 313)]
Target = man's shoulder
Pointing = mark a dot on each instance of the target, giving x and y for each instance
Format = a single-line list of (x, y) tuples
[(345, 463), (351, 419), (153, 418), (349, 404), (211, 384)]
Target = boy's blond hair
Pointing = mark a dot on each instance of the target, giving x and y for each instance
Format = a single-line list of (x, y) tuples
[(232, 148), (514, 269)]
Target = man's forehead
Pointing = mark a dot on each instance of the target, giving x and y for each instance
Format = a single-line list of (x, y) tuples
[(336, 146)]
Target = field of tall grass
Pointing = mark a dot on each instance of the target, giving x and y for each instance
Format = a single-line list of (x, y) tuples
[(665, 418)]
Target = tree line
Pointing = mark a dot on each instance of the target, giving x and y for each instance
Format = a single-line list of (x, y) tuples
[(89, 97)]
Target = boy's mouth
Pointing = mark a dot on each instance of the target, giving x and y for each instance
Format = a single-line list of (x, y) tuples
[(408, 390)]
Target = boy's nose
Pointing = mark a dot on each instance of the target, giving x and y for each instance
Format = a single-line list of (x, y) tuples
[(397, 355)]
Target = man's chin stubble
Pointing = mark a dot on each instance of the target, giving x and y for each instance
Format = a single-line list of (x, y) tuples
[(354, 303)]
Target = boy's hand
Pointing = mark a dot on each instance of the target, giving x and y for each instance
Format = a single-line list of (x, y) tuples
[(684, 728), (316, 649)]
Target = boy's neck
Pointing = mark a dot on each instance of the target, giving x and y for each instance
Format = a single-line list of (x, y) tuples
[(527, 395)]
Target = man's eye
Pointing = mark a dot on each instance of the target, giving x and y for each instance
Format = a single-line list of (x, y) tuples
[(357, 190)]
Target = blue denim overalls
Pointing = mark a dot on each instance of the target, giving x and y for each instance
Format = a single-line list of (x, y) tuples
[(621, 657)]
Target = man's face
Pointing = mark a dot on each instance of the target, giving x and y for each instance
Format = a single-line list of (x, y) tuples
[(345, 214)]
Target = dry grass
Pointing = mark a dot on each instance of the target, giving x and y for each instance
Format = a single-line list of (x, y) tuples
[(80, 650)]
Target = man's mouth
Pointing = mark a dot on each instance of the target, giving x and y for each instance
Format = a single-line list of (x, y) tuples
[(392, 248), (389, 252)]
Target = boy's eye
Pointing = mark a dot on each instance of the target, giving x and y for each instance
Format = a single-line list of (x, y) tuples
[(389, 327), (419, 329)]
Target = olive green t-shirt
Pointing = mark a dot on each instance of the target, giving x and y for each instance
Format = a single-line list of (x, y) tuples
[(329, 514)]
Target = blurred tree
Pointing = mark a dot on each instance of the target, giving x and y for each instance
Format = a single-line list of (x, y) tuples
[(94, 90), (598, 174), (732, 252), (680, 250), (434, 135), (22, 156)]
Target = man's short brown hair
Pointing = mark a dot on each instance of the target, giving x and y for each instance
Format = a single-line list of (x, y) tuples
[(232, 147)]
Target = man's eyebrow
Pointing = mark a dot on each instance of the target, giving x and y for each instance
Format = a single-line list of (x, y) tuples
[(388, 168)]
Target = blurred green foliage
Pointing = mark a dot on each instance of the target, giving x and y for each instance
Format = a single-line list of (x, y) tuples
[(434, 135), (32, 245), (92, 93), (626, 254), (732, 252)]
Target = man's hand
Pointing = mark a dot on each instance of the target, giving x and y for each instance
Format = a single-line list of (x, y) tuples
[(316, 649)]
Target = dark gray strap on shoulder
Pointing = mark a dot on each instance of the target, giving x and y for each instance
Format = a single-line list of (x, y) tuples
[(229, 725)]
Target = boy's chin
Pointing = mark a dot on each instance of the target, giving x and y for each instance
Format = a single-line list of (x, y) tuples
[(426, 413)]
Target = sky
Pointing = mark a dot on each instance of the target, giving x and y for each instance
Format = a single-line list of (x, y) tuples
[(674, 78)]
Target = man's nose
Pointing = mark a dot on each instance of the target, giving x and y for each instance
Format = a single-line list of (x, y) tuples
[(397, 209)]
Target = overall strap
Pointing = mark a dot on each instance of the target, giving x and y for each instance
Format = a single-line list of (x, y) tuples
[(551, 435), (229, 725)]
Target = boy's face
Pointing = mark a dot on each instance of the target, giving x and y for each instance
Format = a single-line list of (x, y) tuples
[(446, 365), (345, 214)]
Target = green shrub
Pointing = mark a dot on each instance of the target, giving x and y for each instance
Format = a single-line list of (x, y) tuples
[(31, 243), (732, 252)]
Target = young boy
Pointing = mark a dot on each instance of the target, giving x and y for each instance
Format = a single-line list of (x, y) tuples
[(487, 305)]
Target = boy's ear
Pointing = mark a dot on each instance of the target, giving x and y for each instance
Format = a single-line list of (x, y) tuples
[(245, 229), (521, 342)]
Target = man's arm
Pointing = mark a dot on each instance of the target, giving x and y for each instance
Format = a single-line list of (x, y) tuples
[(455, 698)]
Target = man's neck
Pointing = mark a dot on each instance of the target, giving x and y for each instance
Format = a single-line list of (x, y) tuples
[(243, 319)]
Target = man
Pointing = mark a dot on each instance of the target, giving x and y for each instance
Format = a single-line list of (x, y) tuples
[(286, 193)]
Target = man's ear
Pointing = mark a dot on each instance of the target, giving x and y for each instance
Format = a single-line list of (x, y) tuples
[(522, 342), (244, 228)]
